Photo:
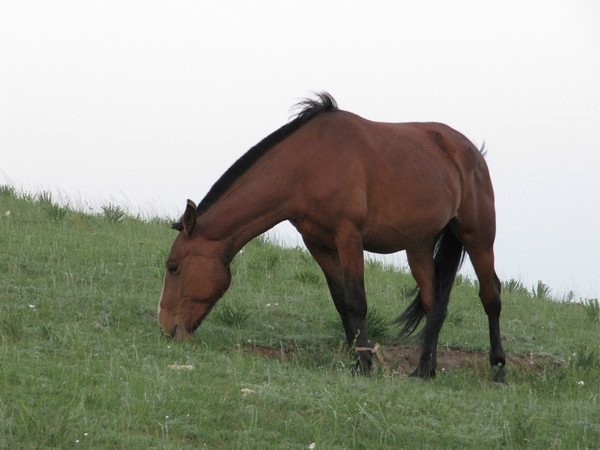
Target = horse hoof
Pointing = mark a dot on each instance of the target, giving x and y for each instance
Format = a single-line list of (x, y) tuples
[(423, 374), (499, 375), (363, 368)]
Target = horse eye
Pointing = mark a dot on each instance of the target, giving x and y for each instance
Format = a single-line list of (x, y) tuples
[(172, 268)]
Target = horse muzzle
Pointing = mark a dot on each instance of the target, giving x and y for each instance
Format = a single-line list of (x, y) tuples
[(178, 332)]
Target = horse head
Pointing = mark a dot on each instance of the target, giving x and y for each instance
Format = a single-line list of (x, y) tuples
[(195, 279)]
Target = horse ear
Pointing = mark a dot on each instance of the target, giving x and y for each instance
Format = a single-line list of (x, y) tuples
[(189, 217)]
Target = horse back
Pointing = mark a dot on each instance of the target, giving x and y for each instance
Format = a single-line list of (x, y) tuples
[(399, 183)]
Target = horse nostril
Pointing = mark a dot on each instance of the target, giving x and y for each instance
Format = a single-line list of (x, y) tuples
[(173, 331)]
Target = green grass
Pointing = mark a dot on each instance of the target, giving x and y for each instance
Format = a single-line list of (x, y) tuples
[(83, 363)]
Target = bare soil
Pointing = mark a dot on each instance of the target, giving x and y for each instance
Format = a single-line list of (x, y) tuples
[(403, 359)]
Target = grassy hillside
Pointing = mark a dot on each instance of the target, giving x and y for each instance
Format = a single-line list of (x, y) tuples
[(83, 363)]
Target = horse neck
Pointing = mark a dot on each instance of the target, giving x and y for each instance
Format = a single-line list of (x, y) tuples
[(253, 205)]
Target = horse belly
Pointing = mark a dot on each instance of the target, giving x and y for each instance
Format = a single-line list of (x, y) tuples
[(384, 241), (405, 235), (408, 222)]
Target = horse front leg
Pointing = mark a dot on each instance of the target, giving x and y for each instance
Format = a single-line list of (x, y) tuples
[(348, 294), (356, 332), (351, 255), (353, 313)]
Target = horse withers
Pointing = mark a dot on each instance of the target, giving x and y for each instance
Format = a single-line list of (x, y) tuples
[(347, 185)]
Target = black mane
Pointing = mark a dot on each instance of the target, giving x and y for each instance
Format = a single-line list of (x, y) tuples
[(307, 109)]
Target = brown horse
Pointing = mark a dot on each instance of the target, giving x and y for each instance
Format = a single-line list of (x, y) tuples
[(347, 185)]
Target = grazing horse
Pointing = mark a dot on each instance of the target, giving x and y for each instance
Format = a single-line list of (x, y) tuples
[(347, 185)]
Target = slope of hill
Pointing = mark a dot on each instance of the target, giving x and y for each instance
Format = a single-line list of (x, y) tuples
[(82, 360)]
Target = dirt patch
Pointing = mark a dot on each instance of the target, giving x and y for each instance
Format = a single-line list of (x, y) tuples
[(403, 359)]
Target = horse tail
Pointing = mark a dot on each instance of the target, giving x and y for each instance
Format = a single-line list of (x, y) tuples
[(448, 256)]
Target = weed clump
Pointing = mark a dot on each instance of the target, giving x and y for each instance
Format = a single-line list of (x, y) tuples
[(113, 213), (52, 209), (592, 308), (232, 315), (542, 290), (8, 191)]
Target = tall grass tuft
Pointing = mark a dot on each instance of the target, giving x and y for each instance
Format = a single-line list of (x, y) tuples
[(541, 290), (8, 191), (586, 359), (377, 324), (592, 308), (514, 286), (308, 276), (53, 210), (231, 315), (113, 213)]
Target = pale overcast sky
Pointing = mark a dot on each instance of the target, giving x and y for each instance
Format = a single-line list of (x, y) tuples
[(145, 103)]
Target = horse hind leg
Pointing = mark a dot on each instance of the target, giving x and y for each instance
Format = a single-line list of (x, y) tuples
[(489, 293), (435, 272), (422, 269)]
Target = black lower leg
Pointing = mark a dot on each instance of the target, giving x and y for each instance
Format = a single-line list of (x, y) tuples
[(356, 333), (427, 360), (358, 341), (497, 355), (429, 342)]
